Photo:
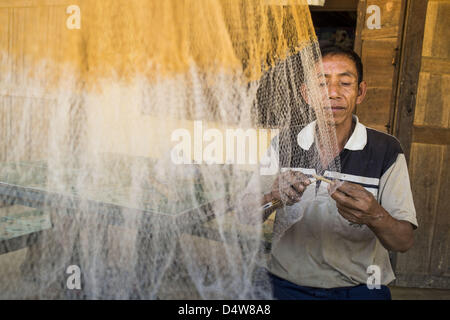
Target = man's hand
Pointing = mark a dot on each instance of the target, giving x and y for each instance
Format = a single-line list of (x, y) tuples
[(357, 205), (289, 187)]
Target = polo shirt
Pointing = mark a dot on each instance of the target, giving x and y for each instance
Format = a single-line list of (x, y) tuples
[(313, 245)]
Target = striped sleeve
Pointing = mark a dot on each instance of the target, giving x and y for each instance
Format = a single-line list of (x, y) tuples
[(395, 194)]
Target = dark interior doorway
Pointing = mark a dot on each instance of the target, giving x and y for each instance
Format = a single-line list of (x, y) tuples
[(335, 27)]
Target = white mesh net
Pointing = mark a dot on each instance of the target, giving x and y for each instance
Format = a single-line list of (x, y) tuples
[(128, 144)]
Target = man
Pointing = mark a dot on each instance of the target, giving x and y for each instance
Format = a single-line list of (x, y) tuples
[(341, 235)]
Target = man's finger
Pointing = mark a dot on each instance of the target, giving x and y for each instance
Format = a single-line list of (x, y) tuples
[(302, 178), (299, 187), (300, 181), (294, 195), (347, 216), (344, 199), (352, 189), (351, 215), (356, 214), (295, 180), (296, 177), (289, 195)]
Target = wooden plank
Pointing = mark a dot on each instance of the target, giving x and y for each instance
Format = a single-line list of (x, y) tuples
[(391, 14), (421, 98), (425, 163), (430, 135), (337, 5), (396, 63), (437, 43), (433, 100), (440, 252), (410, 62), (431, 21), (374, 111), (435, 65), (434, 110), (34, 3), (378, 56), (360, 23), (387, 32)]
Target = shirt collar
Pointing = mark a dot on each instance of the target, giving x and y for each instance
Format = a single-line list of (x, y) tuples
[(357, 140)]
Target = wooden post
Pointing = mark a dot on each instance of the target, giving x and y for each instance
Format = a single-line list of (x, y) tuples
[(410, 61), (396, 61), (360, 20)]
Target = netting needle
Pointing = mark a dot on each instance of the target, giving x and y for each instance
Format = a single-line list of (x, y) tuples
[(322, 178), (277, 202)]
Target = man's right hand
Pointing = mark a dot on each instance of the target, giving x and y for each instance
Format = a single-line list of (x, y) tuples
[(289, 186)]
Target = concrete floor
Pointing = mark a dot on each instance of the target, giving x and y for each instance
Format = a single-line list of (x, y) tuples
[(400, 293)]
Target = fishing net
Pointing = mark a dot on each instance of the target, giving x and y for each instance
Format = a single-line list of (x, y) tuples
[(132, 129)]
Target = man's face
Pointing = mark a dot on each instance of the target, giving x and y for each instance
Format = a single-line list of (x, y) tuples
[(342, 81)]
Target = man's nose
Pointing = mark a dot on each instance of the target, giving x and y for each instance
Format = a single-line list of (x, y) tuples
[(333, 90)]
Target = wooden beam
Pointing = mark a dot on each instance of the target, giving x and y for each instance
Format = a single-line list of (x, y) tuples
[(410, 62), (33, 3), (361, 12), (435, 65), (430, 135), (337, 5), (396, 62)]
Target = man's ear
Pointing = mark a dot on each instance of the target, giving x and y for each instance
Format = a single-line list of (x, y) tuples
[(362, 89)]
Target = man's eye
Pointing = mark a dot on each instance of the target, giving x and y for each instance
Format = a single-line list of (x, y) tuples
[(346, 84), (323, 84)]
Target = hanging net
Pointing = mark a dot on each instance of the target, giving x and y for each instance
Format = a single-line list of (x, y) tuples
[(132, 131)]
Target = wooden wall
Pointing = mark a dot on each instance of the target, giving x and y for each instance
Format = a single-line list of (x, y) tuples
[(379, 52), (407, 68), (427, 264)]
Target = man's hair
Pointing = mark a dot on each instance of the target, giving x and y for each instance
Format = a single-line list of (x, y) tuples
[(352, 55)]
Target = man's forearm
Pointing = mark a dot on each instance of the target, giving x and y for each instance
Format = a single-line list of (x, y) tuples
[(394, 235)]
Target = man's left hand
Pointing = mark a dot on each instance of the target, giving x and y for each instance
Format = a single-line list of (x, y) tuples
[(357, 205)]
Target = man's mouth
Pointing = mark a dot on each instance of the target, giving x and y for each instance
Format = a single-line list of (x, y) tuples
[(336, 108)]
